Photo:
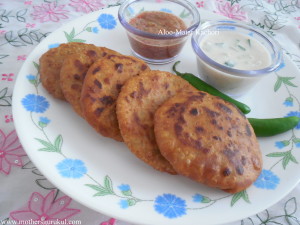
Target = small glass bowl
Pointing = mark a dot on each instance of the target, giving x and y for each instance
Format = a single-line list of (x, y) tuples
[(164, 46), (226, 78)]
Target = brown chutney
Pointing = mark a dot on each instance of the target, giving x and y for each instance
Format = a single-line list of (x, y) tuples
[(158, 23)]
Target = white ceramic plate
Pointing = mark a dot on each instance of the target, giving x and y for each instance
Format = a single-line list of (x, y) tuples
[(103, 174)]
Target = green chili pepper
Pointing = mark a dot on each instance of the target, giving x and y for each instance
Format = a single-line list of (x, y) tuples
[(270, 127), (203, 86)]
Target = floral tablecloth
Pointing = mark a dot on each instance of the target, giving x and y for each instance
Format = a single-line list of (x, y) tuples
[(25, 194)]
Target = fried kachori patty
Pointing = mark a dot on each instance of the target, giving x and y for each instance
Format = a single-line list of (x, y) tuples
[(208, 140), (73, 72), (52, 60), (136, 105), (101, 88)]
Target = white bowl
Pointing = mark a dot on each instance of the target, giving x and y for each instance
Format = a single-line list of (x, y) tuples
[(233, 57)]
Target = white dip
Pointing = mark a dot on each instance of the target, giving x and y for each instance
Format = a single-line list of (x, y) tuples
[(236, 50)]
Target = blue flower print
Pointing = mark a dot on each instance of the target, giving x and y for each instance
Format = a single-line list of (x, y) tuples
[(170, 206), (295, 113), (125, 189), (288, 102), (297, 142), (166, 10), (95, 30), (35, 103), (54, 45), (43, 122), (71, 168), (281, 144), (201, 199), (107, 21), (31, 77), (267, 180), (198, 198), (124, 204)]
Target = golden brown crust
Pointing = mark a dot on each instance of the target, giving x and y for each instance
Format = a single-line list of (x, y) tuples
[(136, 105), (73, 72), (101, 88), (51, 63), (208, 140)]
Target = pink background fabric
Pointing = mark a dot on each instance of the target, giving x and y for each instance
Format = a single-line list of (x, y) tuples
[(25, 193)]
